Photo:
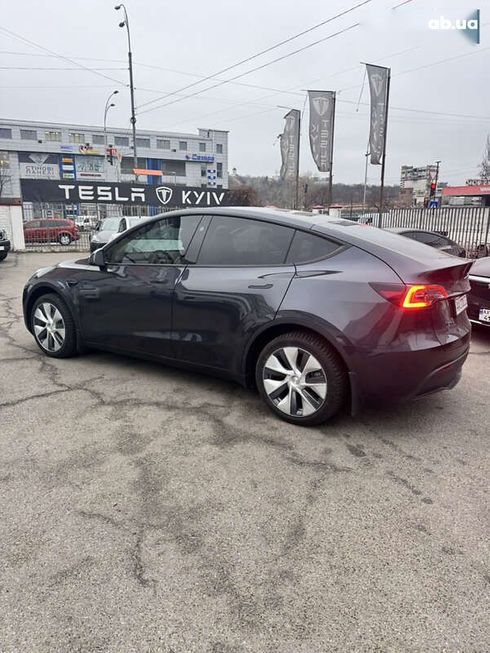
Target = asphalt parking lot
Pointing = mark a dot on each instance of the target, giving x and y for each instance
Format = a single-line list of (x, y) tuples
[(145, 509)]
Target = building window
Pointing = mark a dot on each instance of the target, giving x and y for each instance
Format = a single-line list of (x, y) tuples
[(75, 137), (52, 136), (204, 171), (28, 134), (142, 142), (98, 139), (163, 143), (183, 146), (219, 148), (121, 140), (5, 133), (127, 164), (202, 147), (219, 170)]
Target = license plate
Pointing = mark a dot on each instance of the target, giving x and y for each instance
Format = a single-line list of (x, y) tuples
[(484, 315), (2, 247), (460, 304)]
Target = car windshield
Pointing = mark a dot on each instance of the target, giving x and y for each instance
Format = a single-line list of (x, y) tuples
[(110, 224)]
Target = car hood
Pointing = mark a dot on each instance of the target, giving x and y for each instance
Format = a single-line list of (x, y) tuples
[(103, 236), (481, 267)]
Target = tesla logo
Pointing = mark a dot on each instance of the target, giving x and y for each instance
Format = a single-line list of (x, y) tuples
[(164, 194), (321, 105), (378, 83)]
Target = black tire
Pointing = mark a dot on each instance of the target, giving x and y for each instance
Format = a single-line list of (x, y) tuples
[(69, 346), (333, 371), (64, 239), (3, 255)]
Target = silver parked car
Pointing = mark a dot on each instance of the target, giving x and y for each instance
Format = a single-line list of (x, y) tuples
[(109, 228)]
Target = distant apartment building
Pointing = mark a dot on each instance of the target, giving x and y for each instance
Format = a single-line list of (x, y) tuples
[(33, 154), (417, 180)]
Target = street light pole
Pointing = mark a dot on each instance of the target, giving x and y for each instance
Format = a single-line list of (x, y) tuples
[(125, 23), (108, 105)]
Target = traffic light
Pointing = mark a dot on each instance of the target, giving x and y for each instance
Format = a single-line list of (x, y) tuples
[(433, 187)]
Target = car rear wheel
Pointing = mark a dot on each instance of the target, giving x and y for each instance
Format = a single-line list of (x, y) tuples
[(65, 239), (3, 255), (53, 327), (301, 378)]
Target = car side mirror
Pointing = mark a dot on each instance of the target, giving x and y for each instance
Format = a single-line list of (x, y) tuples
[(98, 259)]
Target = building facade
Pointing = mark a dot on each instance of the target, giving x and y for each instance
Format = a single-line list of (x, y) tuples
[(34, 153), (417, 180)]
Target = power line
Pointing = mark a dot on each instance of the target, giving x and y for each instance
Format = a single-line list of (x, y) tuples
[(248, 72), (265, 51), (91, 70), (59, 56)]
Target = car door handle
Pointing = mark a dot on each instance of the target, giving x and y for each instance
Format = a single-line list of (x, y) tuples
[(160, 282), (261, 286), (72, 282)]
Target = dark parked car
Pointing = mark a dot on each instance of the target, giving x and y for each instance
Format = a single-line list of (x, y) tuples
[(4, 244), (50, 231), (479, 296), (314, 312), (432, 239)]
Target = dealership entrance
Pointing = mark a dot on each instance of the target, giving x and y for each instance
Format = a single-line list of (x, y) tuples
[(88, 203)]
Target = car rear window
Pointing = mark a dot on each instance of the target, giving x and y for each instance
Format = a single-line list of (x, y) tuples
[(306, 247)]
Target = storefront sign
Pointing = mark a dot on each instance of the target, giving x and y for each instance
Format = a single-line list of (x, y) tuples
[(206, 158), (89, 167), (38, 166), (103, 192)]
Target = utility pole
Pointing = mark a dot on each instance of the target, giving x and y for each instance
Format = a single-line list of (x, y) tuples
[(125, 23)]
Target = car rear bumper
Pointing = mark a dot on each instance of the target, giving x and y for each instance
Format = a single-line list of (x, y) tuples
[(5, 245), (394, 377)]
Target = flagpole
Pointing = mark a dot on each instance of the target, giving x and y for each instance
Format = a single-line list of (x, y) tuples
[(381, 191), (330, 175), (296, 204)]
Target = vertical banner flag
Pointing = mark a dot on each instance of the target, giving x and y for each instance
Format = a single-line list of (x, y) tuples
[(378, 85), (289, 140), (322, 109)]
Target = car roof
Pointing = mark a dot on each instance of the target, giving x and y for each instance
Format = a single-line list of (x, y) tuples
[(481, 267)]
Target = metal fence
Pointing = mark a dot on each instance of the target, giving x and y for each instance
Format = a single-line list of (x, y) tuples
[(45, 232), (468, 226)]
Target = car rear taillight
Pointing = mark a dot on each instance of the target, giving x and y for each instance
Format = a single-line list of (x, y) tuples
[(410, 297), (423, 296)]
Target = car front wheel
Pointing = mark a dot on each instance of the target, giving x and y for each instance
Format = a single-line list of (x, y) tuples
[(301, 378), (53, 327), (65, 239)]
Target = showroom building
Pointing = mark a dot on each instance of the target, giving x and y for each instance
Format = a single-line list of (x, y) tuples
[(70, 170)]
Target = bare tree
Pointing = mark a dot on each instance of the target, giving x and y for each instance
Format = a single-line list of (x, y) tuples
[(485, 164), (5, 175)]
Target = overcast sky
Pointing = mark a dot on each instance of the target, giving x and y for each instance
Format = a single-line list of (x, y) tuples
[(176, 43)]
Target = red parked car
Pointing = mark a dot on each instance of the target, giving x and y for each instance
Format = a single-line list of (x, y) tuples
[(50, 231)]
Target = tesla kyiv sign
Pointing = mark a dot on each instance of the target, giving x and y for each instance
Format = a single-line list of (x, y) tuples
[(69, 192)]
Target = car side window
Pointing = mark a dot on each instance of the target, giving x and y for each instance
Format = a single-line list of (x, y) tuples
[(307, 247), (243, 241), (33, 224), (163, 242)]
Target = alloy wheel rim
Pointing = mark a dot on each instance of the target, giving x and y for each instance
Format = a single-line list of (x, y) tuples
[(295, 381), (65, 240), (49, 327)]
